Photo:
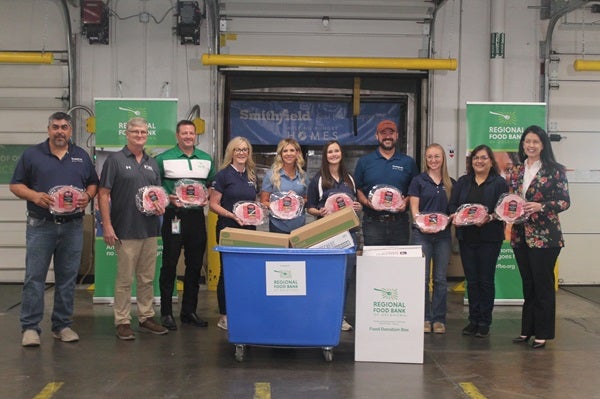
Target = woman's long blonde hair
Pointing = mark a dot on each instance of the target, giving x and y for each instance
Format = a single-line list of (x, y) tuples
[(238, 142), (278, 162), (445, 176)]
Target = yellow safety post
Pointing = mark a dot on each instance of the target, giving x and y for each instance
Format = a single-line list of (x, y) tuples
[(212, 256)]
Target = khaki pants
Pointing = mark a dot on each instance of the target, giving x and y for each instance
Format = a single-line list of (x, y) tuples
[(135, 257)]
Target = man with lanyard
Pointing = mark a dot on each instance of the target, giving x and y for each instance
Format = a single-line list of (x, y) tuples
[(133, 234), (55, 162), (183, 227), (387, 166)]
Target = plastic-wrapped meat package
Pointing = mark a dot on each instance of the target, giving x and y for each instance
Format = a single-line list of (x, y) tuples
[(286, 206), (337, 201), (191, 193), (384, 197), (149, 198), (250, 212), (469, 214), (65, 200), (511, 208), (431, 222)]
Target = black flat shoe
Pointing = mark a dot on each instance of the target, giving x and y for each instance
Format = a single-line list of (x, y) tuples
[(193, 319), (538, 345), (521, 339), (168, 322)]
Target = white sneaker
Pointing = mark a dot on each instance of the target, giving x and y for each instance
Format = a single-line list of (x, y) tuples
[(222, 324), (30, 338), (346, 326), (66, 335)]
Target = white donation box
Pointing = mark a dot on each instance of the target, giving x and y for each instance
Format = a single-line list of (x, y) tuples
[(390, 304)]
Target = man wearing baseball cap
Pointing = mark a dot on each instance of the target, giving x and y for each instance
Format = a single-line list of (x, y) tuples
[(386, 165)]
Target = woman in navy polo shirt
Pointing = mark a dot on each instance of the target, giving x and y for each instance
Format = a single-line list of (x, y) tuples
[(235, 181), (429, 193), (332, 178), (286, 174)]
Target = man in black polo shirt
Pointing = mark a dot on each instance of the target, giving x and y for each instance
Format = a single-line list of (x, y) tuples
[(55, 162), (132, 233)]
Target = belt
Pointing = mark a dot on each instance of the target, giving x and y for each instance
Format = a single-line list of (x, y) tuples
[(388, 217), (56, 218)]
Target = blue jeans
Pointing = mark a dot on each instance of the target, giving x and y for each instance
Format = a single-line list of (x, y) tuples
[(435, 247), (479, 263), (45, 240), (387, 232)]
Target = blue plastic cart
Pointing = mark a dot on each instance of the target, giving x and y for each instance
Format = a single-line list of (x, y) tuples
[(284, 297)]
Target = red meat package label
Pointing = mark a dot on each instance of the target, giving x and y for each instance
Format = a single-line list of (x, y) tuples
[(190, 193), (67, 200), (250, 211), (339, 202), (386, 198), (285, 204), (511, 208), (431, 220)]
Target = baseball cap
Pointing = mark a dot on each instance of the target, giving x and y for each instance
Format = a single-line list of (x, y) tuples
[(386, 124)]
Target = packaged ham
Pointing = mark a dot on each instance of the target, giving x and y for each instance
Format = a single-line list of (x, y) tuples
[(65, 200), (431, 222), (511, 208), (191, 193), (286, 206), (385, 198), (337, 201), (250, 212), (469, 214), (148, 198)]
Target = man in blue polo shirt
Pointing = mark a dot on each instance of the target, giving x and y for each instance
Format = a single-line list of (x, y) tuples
[(387, 166), (55, 162), (183, 227)]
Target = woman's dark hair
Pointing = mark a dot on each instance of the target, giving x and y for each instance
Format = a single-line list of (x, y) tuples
[(490, 154), (546, 155), (327, 180)]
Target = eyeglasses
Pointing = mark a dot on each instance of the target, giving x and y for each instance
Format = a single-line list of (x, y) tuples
[(430, 157), (481, 158), (142, 132), (241, 150)]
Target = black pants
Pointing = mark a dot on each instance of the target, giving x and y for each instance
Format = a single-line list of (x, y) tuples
[(536, 266), (479, 264), (221, 224), (192, 238)]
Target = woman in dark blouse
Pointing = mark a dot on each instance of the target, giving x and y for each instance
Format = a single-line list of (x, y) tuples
[(480, 244)]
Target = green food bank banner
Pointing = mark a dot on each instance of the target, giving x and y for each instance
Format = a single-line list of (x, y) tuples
[(112, 115), (500, 126)]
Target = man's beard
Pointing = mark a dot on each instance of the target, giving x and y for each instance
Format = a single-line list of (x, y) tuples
[(387, 147)]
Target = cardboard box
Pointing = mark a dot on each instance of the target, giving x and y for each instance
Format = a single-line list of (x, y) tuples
[(341, 241), (322, 229), (233, 237)]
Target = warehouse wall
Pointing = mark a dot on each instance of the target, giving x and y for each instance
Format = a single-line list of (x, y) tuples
[(145, 59)]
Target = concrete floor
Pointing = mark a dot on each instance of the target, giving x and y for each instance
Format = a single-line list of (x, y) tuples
[(199, 363)]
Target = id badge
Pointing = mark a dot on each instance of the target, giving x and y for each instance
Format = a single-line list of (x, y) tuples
[(175, 226)]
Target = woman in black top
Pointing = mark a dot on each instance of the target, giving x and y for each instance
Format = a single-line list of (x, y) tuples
[(480, 244)]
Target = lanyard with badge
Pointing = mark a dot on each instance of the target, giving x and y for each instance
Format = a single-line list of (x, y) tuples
[(175, 225)]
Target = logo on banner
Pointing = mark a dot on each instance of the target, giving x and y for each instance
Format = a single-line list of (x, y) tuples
[(387, 302)]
